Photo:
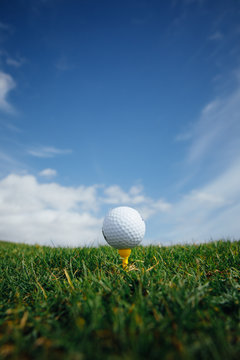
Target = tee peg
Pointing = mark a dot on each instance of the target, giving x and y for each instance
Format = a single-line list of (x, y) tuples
[(124, 255)]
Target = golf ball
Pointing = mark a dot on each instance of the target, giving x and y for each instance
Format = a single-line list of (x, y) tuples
[(123, 228)]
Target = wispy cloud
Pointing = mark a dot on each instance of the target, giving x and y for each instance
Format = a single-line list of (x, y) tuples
[(209, 212), (217, 133), (211, 209), (9, 164), (9, 125), (13, 127), (48, 173), (6, 157), (217, 35), (6, 85), (4, 26), (63, 64), (183, 136), (15, 62), (48, 151), (5, 31)]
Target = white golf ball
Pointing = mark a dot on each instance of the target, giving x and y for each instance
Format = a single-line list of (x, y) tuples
[(123, 228)]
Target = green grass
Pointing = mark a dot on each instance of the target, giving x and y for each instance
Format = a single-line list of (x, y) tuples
[(179, 302)]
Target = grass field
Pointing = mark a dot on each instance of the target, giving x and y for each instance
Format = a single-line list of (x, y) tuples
[(179, 302)]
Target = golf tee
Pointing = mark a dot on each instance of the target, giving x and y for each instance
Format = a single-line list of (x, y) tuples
[(124, 255)]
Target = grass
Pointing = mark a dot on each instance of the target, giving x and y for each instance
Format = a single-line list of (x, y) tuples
[(179, 302)]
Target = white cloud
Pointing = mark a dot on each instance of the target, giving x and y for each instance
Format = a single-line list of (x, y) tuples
[(48, 152), (135, 197), (115, 195), (46, 213), (151, 207), (6, 85), (26, 190), (48, 173), (49, 213)]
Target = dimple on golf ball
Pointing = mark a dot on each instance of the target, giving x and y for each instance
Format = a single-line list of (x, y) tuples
[(123, 228)]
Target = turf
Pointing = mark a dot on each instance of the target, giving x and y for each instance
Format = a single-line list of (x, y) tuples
[(179, 302)]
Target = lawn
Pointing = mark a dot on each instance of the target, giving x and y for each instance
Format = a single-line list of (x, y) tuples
[(178, 302)]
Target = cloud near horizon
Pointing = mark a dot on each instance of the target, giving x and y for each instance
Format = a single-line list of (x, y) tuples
[(209, 212), (55, 215), (51, 214)]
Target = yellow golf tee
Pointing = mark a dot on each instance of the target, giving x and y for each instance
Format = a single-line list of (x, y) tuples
[(124, 255)]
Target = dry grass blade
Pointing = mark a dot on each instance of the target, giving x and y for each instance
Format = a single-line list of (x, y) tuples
[(68, 278), (152, 267), (43, 291), (132, 267)]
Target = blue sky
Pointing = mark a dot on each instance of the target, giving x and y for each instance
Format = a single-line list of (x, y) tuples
[(108, 103)]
